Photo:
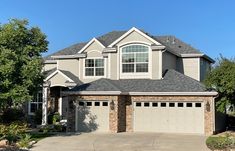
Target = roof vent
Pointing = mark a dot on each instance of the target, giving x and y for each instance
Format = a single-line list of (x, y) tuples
[(173, 40), (167, 39)]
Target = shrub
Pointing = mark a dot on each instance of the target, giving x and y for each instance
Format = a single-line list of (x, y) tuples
[(24, 141), (56, 118), (12, 115), (12, 132), (220, 142), (38, 117)]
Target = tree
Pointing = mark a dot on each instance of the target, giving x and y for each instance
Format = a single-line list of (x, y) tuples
[(20, 62), (222, 79)]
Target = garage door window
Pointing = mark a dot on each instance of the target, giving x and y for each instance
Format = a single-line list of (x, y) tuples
[(163, 104), (97, 103), (81, 103), (138, 104), (171, 104), (105, 103), (89, 104), (189, 104), (198, 105), (146, 104), (154, 104), (180, 104)]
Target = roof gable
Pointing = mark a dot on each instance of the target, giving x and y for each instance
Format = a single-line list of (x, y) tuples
[(94, 40), (134, 30)]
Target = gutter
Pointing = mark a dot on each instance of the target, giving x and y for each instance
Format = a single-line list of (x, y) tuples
[(140, 93)]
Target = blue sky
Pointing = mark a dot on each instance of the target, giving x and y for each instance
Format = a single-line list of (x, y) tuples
[(208, 25)]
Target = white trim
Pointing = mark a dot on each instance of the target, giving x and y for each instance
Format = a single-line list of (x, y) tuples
[(107, 50), (160, 65), (199, 70), (174, 93), (92, 93), (93, 77), (135, 75), (109, 65), (60, 103), (50, 62), (156, 47), (130, 31), (89, 43), (69, 56), (58, 71)]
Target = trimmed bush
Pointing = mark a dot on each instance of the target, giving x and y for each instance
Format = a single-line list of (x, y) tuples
[(220, 142), (12, 115)]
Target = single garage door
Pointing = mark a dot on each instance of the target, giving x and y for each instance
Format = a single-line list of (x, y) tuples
[(92, 116), (171, 117)]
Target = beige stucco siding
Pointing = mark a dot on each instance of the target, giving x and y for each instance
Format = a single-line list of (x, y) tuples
[(94, 46), (168, 61), (57, 80), (156, 64), (204, 68), (93, 51), (49, 66), (71, 65), (113, 66), (189, 67), (134, 37)]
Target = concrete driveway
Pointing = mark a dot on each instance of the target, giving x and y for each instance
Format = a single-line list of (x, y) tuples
[(123, 142)]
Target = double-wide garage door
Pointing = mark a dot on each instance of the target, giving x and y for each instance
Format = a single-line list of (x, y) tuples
[(171, 117), (92, 116)]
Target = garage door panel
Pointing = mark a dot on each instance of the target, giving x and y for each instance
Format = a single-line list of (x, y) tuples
[(174, 117), (92, 116)]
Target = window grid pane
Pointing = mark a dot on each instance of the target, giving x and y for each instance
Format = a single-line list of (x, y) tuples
[(94, 67), (135, 59)]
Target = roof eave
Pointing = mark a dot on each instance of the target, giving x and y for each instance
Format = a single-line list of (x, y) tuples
[(81, 55)]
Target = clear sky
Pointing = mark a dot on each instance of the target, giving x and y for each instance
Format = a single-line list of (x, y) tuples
[(208, 25)]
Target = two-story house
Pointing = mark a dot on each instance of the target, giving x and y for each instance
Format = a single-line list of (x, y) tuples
[(129, 81)]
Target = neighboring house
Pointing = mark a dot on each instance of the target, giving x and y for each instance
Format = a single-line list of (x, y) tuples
[(129, 81)]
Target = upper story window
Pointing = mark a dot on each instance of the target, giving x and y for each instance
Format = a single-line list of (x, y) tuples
[(94, 67), (135, 59)]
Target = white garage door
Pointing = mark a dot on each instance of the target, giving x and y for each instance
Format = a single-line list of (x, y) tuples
[(171, 117), (92, 116)]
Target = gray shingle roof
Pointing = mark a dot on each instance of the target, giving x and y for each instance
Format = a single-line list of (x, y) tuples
[(172, 81), (172, 43), (49, 72), (110, 37), (72, 76), (176, 45), (67, 51), (67, 73)]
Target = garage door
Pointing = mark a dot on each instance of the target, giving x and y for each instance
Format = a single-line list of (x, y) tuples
[(171, 117), (92, 116)]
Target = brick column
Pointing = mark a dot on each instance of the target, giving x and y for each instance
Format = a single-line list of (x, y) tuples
[(71, 114)]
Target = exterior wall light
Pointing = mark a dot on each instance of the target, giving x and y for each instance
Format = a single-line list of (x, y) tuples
[(112, 105), (208, 107)]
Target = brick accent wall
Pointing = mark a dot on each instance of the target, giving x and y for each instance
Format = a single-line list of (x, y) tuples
[(208, 108), (121, 118)]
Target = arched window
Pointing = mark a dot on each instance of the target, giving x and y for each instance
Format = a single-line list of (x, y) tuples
[(135, 59)]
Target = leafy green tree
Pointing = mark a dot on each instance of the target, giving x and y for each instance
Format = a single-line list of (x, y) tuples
[(222, 79), (20, 62)]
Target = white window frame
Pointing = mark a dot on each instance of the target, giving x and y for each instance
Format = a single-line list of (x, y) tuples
[(34, 102), (93, 77), (124, 75)]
